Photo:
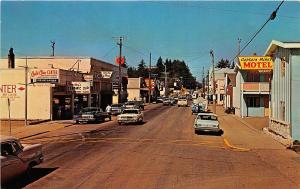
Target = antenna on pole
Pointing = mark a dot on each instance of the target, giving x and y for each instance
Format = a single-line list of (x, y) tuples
[(53, 47)]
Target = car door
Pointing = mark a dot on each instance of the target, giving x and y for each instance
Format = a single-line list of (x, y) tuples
[(11, 164)]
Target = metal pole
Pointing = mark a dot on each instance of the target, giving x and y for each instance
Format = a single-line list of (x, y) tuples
[(26, 90), (213, 81), (8, 102), (166, 80), (149, 93), (120, 75)]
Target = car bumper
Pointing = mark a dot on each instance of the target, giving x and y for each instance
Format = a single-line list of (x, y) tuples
[(206, 129), (128, 120)]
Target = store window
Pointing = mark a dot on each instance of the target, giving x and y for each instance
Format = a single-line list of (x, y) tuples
[(253, 102)]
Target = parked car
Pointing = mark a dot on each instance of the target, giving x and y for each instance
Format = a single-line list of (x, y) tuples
[(91, 114), (159, 100), (182, 102), (173, 101), (131, 116), (17, 158), (130, 105), (166, 102), (207, 122), (198, 108), (117, 109), (140, 104)]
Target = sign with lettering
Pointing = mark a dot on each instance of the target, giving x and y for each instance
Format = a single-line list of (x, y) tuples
[(106, 74), (11, 91), (79, 87), (44, 75), (256, 62)]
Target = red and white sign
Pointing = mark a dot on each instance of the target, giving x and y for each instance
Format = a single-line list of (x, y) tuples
[(44, 75), (120, 60), (11, 91)]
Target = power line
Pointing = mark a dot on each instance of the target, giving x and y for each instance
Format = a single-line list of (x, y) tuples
[(271, 17)]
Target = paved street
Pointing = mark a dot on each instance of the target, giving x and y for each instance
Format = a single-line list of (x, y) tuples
[(163, 152)]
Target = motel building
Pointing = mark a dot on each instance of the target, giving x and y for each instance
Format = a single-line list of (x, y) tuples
[(57, 87), (252, 90), (284, 122)]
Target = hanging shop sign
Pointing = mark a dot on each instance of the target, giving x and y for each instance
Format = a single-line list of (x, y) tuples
[(79, 87), (44, 75), (256, 62), (106, 74), (88, 77)]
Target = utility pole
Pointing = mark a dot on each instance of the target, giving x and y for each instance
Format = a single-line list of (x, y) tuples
[(149, 94), (239, 48), (26, 89), (203, 82), (166, 80), (120, 75), (53, 47), (207, 81), (213, 81)]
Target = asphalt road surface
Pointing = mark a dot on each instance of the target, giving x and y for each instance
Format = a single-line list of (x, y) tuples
[(163, 152)]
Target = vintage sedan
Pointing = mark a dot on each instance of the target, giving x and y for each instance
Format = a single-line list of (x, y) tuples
[(207, 122), (17, 158), (131, 116), (117, 109), (91, 114)]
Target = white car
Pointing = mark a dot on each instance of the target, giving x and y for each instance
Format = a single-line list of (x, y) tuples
[(16, 158), (130, 116), (207, 122), (182, 102)]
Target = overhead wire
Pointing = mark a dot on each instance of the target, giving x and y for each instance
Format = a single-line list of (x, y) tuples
[(271, 17)]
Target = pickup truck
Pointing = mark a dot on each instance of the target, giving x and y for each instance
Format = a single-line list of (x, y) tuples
[(91, 114), (17, 158)]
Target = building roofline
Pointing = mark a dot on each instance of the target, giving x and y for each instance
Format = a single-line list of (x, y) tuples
[(286, 45)]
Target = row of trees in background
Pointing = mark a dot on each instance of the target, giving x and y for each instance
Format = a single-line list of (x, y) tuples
[(177, 70)]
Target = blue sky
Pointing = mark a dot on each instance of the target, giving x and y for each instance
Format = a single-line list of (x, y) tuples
[(176, 30)]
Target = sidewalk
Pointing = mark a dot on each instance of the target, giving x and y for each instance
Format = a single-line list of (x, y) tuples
[(22, 131), (246, 132)]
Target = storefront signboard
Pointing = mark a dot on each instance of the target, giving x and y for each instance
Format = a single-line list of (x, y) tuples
[(256, 62), (79, 87), (44, 75), (89, 78), (106, 74)]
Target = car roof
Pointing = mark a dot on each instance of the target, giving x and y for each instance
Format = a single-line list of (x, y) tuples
[(7, 138), (208, 114)]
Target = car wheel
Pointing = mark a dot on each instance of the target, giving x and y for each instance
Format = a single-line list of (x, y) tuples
[(77, 122), (119, 123), (109, 118)]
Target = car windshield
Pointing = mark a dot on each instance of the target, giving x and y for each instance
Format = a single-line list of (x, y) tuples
[(130, 103), (90, 109), (207, 117), (130, 112)]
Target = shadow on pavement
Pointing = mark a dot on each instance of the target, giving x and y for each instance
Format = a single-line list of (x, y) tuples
[(33, 175)]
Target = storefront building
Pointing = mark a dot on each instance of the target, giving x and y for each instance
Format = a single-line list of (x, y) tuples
[(285, 100), (137, 89), (252, 91), (62, 85)]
